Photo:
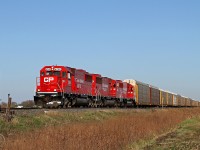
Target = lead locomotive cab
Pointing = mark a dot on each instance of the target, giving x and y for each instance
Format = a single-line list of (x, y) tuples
[(50, 85)]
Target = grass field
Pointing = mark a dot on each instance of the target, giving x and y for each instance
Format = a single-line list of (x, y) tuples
[(102, 129), (186, 136)]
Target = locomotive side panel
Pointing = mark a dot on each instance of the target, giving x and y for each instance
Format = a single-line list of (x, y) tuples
[(119, 89), (125, 90), (82, 87), (105, 87), (96, 85)]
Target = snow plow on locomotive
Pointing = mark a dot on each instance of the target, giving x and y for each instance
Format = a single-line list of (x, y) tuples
[(70, 87)]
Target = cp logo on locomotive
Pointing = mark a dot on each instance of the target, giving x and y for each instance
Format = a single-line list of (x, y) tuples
[(48, 79)]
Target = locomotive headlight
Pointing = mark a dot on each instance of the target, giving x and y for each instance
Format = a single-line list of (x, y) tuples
[(38, 90), (54, 90)]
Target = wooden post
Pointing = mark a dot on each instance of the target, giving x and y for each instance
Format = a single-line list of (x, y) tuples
[(0, 106), (8, 114)]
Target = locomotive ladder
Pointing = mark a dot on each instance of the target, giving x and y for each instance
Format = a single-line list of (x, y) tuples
[(98, 98)]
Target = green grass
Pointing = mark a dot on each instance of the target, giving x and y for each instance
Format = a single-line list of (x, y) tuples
[(185, 137), (27, 122)]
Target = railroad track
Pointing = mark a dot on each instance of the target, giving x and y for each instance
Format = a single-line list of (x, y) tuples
[(38, 111), (72, 109), (20, 108), (90, 108), (79, 109), (35, 111), (2, 110)]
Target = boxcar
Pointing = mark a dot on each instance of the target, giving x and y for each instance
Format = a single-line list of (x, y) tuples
[(183, 102), (175, 101), (196, 103), (170, 99), (163, 98), (187, 102), (154, 96), (179, 100)]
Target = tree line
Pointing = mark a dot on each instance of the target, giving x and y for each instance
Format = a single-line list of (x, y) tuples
[(27, 103)]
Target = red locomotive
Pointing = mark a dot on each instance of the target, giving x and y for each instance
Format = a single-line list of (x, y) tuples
[(76, 87)]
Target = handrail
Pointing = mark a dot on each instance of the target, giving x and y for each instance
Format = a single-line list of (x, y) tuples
[(37, 81)]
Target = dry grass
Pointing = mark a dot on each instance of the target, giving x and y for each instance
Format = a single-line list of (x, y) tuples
[(186, 137), (114, 133)]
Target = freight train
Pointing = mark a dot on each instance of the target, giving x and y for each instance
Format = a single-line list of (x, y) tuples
[(71, 87)]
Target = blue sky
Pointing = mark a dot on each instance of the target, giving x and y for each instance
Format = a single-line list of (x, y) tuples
[(157, 42)]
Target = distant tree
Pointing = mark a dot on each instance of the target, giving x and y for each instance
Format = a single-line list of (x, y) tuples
[(27, 103), (14, 104), (3, 104)]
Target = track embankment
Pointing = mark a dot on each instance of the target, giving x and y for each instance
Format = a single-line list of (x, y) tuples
[(99, 129)]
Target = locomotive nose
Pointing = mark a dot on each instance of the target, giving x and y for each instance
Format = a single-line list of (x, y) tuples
[(50, 83)]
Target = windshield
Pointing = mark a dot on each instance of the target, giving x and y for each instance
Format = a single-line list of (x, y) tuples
[(55, 73)]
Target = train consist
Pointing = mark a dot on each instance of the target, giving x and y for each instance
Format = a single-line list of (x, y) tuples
[(71, 87), (147, 95)]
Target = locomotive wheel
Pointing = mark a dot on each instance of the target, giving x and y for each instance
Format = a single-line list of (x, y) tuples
[(116, 104), (40, 103), (95, 105), (60, 107), (90, 104), (100, 105), (66, 103), (44, 105), (69, 105), (73, 102)]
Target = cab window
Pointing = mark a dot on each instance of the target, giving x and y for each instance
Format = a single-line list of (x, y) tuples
[(56, 73), (42, 73), (64, 74), (49, 73)]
